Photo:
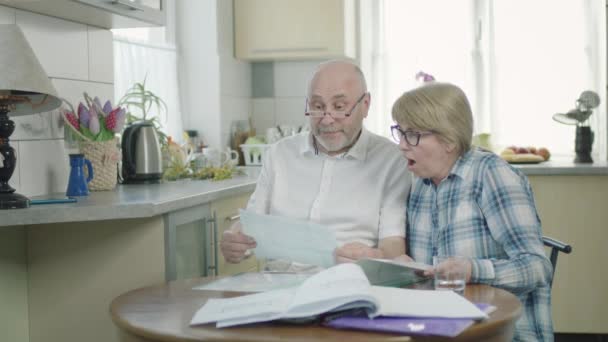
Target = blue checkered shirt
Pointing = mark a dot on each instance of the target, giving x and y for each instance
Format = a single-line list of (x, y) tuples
[(485, 210)]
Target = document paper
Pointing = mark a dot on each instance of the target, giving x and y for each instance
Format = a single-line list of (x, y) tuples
[(280, 237), (335, 289)]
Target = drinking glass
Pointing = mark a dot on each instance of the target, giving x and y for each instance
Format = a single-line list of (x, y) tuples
[(450, 273)]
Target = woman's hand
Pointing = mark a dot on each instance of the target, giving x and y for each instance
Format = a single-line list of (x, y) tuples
[(453, 265), (354, 251)]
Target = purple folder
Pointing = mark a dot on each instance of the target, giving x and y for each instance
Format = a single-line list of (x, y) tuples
[(448, 327)]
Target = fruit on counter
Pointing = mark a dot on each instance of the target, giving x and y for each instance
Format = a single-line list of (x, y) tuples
[(507, 151), (544, 153), (514, 154)]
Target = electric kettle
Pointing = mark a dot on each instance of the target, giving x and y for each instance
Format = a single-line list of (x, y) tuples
[(141, 155)]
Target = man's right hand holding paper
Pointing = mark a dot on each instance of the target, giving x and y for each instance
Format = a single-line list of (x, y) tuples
[(235, 244)]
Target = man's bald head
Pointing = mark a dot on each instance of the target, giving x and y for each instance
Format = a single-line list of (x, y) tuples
[(344, 69)]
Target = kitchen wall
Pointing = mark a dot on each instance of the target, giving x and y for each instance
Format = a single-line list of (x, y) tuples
[(77, 58), (279, 93), (214, 86)]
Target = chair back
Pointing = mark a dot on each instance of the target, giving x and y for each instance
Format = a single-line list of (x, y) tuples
[(556, 247)]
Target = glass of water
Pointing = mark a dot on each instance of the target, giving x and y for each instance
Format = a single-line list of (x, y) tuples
[(450, 273)]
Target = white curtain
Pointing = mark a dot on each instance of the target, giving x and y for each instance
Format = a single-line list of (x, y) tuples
[(519, 62), (135, 61)]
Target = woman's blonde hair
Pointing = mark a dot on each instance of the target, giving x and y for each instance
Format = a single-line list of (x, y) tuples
[(442, 108)]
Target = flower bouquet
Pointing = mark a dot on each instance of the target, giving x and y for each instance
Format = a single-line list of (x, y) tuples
[(95, 126), (94, 122)]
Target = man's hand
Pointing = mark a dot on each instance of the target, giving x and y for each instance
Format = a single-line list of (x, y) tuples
[(234, 244), (354, 251)]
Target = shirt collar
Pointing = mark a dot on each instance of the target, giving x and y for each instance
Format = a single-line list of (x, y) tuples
[(357, 151), (459, 169)]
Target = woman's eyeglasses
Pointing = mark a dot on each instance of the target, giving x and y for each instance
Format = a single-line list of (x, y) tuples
[(411, 137)]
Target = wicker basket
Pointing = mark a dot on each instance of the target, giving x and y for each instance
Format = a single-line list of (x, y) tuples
[(104, 156)]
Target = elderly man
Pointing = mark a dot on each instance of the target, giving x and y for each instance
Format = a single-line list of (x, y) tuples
[(339, 174)]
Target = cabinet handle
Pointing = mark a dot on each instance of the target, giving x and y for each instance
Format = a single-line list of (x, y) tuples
[(128, 4), (232, 218), (214, 231)]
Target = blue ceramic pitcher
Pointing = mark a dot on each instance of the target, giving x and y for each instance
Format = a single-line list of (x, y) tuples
[(77, 184)]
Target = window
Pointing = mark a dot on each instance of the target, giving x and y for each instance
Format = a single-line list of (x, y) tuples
[(519, 62), (150, 54)]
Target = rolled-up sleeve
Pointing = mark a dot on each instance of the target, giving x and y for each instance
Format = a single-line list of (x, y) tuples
[(508, 206)]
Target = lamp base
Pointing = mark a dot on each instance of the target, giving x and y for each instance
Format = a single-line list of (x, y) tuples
[(13, 201), (583, 142), (583, 158)]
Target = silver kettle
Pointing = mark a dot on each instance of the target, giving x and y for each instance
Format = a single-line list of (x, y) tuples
[(141, 155)]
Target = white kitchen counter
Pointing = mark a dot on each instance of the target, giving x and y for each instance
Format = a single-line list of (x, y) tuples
[(131, 201), (564, 167)]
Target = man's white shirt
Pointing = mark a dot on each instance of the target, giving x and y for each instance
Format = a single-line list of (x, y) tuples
[(361, 195)]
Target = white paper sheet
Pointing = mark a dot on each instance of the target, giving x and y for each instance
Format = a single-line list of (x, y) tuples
[(285, 238), (424, 303), (256, 282)]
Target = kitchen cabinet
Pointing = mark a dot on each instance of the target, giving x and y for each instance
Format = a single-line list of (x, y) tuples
[(227, 212), (573, 209), (192, 237), (107, 14), (295, 29), (65, 263), (189, 251)]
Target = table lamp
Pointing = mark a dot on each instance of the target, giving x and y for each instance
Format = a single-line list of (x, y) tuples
[(24, 89)]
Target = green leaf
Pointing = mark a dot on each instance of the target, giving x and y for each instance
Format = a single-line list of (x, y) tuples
[(104, 135)]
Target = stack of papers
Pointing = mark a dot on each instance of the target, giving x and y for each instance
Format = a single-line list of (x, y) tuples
[(339, 288)]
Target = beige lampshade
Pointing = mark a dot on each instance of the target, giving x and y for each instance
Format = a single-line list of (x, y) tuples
[(21, 74)]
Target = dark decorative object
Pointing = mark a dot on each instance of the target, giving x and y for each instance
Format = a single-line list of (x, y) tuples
[(579, 116)]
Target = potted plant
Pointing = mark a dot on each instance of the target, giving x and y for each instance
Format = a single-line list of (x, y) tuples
[(139, 102)]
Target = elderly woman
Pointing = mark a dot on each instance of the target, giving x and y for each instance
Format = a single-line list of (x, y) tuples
[(469, 202)]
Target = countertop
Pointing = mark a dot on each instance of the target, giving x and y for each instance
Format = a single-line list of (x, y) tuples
[(139, 201), (564, 167), (131, 201)]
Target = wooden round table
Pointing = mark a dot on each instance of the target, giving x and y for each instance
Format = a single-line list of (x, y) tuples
[(163, 313)]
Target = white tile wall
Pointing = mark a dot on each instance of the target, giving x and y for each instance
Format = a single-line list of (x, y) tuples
[(287, 105), (290, 111), (77, 58), (45, 165), (263, 115), (15, 180), (72, 90), (60, 45), (235, 77), (291, 78), (101, 57), (233, 109)]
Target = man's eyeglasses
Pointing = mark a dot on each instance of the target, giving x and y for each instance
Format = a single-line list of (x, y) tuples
[(336, 114), (412, 138)]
